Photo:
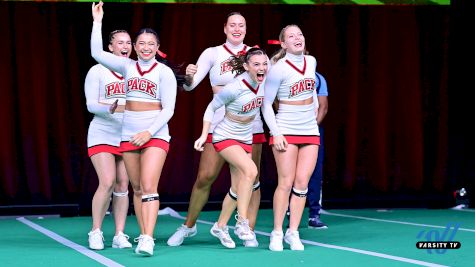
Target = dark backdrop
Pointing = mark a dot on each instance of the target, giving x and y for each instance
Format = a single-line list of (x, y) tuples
[(395, 134)]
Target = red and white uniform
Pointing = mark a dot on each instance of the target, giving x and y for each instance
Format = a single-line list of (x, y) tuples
[(241, 98), (292, 78), (215, 60), (102, 88), (146, 81)]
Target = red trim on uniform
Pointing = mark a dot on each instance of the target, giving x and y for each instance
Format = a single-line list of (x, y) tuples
[(219, 146), (126, 146), (259, 138), (244, 49), (297, 69), (142, 73), (91, 151), (250, 86), (117, 75), (299, 139), (209, 138)]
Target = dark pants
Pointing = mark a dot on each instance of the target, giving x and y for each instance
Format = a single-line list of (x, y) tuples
[(315, 183)]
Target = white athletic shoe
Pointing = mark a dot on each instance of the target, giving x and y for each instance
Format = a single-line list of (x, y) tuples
[(223, 235), (251, 243), (293, 239), (276, 241), (96, 239), (181, 233), (138, 240), (121, 240), (146, 245), (243, 231)]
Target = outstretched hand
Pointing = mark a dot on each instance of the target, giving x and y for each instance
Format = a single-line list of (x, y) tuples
[(199, 144), (191, 70), (97, 11)]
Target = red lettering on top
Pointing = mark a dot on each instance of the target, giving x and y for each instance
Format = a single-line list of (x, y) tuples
[(254, 103), (301, 86), (142, 85), (115, 89)]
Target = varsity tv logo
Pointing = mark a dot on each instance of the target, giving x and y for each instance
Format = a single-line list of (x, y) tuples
[(437, 241)]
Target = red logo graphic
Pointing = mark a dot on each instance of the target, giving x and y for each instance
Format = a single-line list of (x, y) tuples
[(226, 67)]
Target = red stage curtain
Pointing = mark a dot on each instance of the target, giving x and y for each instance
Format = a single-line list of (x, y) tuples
[(386, 66)]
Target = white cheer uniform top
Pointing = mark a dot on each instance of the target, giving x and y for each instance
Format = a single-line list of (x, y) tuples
[(146, 81), (241, 98), (292, 78)]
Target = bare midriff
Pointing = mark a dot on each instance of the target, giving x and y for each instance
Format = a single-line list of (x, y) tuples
[(142, 106), (120, 109), (239, 119), (307, 101)]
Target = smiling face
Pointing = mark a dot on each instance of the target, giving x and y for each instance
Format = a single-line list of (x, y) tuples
[(146, 46), (256, 66), (292, 40), (121, 44), (235, 29)]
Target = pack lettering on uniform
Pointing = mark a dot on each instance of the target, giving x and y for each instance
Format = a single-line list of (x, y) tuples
[(253, 104), (225, 67), (301, 86), (115, 89), (142, 85)]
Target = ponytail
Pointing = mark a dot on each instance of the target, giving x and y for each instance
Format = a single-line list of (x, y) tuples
[(278, 55), (237, 62)]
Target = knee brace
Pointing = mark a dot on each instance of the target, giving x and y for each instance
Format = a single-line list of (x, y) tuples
[(300, 193), (120, 194), (256, 186), (150, 197), (232, 194)]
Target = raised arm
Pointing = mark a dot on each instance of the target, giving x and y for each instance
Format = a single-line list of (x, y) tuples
[(196, 73), (104, 58)]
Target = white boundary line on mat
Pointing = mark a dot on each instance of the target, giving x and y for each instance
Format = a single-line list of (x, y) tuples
[(174, 214), (81, 249), (393, 221)]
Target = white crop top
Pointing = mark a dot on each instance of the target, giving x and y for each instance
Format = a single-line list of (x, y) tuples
[(292, 78), (146, 81), (215, 60), (242, 97), (102, 88)]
